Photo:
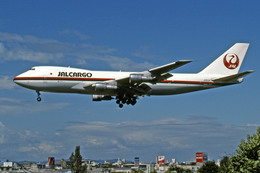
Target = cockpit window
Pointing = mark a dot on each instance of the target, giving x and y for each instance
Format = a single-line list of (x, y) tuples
[(33, 68)]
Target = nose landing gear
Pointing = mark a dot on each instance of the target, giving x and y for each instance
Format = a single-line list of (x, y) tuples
[(38, 98)]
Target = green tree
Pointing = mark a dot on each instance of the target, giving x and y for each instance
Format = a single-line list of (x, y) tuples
[(247, 156), (224, 164), (154, 171), (174, 168), (209, 167), (76, 162), (137, 171)]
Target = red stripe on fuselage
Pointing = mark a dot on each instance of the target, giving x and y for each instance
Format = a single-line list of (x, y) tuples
[(62, 78), (104, 79)]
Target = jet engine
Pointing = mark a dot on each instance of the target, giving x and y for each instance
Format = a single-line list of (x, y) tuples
[(101, 97), (139, 78), (103, 87)]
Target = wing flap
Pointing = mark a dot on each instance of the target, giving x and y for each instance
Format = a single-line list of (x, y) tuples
[(145, 87), (162, 77), (139, 90)]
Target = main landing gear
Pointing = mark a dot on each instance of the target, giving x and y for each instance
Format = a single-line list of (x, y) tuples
[(38, 98), (123, 100)]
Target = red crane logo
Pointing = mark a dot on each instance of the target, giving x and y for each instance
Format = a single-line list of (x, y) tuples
[(231, 61)]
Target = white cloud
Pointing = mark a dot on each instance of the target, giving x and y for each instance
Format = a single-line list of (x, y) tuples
[(115, 62), (253, 125), (26, 144), (12, 106), (27, 54), (78, 34), (15, 38), (40, 148), (2, 134), (2, 126), (49, 147), (102, 140), (127, 64), (2, 139), (30, 48), (150, 138), (6, 82), (145, 52), (28, 148)]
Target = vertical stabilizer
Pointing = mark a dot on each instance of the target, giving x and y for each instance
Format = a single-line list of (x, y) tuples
[(229, 62)]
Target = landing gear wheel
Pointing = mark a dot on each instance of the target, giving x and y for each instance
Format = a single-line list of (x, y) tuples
[(133, 101), (125, 99), (39, 99)]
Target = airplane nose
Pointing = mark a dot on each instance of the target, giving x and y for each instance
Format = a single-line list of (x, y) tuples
[(19, 81), (16, 80)]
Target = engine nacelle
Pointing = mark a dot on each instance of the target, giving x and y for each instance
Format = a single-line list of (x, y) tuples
[(103, 87), (101, 97), (139, 78)]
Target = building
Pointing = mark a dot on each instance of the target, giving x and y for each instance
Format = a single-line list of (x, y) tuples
[(62, 163), (37, 167), (201, 157), (8, 164)]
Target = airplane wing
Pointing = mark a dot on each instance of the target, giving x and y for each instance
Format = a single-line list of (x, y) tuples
[(135, 83), (168, 67), (158, 73), (150, 76)]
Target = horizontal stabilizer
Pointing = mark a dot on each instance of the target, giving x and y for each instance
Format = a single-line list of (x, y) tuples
[(233, 78)]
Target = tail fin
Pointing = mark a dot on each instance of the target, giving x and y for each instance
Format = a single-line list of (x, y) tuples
[(229, 62)]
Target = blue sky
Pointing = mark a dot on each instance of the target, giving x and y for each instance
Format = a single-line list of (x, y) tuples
[(125, 35)]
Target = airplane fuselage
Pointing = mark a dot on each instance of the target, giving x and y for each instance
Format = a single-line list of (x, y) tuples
[(64, 80)]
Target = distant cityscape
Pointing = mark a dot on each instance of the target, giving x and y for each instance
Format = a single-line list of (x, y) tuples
[(111, 166)]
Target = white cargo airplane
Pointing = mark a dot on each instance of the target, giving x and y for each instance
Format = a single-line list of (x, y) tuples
[(126, 87)]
